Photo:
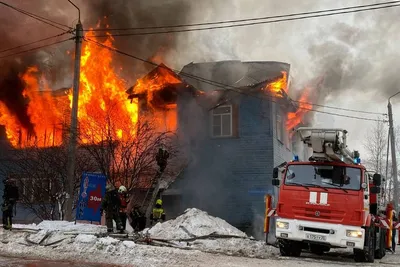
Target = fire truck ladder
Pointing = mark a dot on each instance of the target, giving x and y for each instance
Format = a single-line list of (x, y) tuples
[(328, 144)]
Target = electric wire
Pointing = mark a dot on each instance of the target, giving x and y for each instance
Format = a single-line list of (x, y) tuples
[(37, 17), (36, 48), (243, 24), (34, 42), (217, 84), (244, 20), (339, 108)]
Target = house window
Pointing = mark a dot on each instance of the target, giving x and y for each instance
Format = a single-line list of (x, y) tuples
[(279, 125), (222, 121)]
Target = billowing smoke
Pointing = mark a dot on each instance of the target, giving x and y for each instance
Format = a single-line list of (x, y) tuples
[(11, 88)]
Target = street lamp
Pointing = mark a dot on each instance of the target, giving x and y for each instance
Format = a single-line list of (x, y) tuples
[(393, 150)]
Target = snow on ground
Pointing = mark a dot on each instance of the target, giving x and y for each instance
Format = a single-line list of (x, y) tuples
[(52, 241), (193, 222), (63, 226)]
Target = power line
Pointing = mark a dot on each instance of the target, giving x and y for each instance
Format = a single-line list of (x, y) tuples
[(31, 43), (244, 24), (36, 48), (243, 20), (338, 108), (39, 18), (217, 84)]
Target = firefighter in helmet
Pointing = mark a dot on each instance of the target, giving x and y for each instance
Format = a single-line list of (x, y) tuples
[(124, 200), (111, 205), (158, 213), (10, 198)]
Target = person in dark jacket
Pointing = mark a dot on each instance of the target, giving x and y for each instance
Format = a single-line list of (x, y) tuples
[(137, 219), (10, 198), (111, 205), (162, 158)]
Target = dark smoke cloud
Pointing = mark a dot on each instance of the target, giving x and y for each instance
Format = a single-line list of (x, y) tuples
[(127, 13), (11, 88)]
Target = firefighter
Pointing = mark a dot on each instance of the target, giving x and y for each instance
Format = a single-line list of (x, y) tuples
[(158, 213), (162, 158), (137, 219), (124, 200), (10, 198), (110, 205)]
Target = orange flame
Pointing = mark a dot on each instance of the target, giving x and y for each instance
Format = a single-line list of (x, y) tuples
[(280, 84), (104, 110), (295, 118)]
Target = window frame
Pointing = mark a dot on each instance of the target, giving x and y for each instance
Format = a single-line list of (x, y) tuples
[(279, 125), (220, 115)]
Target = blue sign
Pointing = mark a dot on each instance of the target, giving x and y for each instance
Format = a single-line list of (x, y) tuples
[(93, 187)]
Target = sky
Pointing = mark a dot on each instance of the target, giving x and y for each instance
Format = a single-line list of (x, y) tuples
[(356, 53)]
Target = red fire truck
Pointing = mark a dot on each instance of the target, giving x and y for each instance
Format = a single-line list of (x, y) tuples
[(330, 201)]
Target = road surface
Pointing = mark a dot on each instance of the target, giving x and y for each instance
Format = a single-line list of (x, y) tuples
[(206, 259), (19, 262)]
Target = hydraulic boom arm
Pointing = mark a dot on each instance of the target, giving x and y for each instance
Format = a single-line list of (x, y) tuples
[(328, 144)]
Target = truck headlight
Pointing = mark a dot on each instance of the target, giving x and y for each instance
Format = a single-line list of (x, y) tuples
[(354, 233), (282, 225)]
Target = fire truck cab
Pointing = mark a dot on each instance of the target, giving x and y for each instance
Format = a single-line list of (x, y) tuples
[(329, 201)]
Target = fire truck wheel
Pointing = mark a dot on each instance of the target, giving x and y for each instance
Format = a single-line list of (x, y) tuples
[(381, 251), (367, 255), (290, 248)]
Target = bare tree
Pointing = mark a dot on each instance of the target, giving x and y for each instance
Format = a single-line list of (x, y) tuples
[(40, 174), (123, 149), (376, 147)]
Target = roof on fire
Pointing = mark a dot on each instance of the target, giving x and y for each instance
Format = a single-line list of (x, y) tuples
[(232, 73)]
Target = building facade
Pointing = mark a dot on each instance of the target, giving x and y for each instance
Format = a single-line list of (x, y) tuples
[(233, 138)]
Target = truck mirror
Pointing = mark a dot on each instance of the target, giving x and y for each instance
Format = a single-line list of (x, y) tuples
[(275, 182), (375, 190), (377, 178), (275, 173)]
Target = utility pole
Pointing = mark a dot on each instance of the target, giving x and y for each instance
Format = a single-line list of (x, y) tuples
[(394, 159), (74, 120)]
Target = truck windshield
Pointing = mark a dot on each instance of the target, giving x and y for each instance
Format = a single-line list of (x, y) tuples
[(324, 176)]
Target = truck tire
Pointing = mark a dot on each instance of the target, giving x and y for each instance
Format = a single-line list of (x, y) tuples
[(381, 251), (289, 248), (318, 249), (368, 254)]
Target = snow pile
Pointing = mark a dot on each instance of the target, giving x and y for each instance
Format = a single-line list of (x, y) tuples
[(193, 223), (65, 226), (88, 239), (203, 233)]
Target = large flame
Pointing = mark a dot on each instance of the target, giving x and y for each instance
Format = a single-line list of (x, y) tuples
[(295, 118), (104, 110)]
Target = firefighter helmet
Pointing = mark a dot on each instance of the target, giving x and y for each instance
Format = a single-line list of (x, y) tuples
[(159, 202), (122, 189)]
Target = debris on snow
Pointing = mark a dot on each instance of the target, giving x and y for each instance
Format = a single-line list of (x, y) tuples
[(193, 223)]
